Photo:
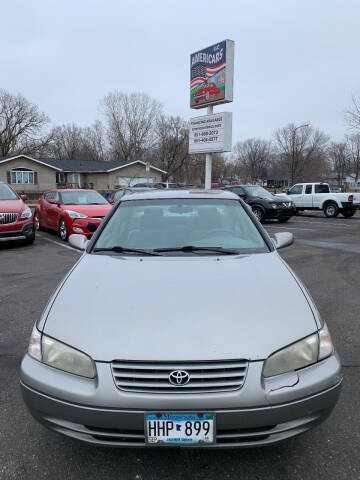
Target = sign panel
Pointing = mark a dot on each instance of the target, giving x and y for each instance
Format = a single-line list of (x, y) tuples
[(212, 75), (211, 133)]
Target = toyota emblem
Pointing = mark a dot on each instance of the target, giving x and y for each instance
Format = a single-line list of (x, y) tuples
[(179, 378)]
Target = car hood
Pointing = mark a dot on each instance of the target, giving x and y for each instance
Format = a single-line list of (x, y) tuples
[(90, 210), (12, 206), (180, 308)]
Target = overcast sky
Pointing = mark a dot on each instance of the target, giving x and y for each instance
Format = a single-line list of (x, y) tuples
[(295, 60)]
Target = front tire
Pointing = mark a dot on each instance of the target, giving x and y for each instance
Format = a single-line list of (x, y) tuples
[(331, 210), (37, 222), (348, 212), (63, 231), (259, 214)]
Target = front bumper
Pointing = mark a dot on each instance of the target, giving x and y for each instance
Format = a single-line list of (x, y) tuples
[(79, 225), (17, 231), (285, 212), (262, 412)]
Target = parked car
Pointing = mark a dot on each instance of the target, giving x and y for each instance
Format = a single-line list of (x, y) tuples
[(317, 196), (206, 92), (264, 204), (16, 222), (117, 194), (69, 211), (168, 331), (159, 185)]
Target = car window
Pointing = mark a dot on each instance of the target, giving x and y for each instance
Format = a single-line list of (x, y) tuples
[(6, 193), (322, 188), (257, 191), (295, 190), (238, 190), (119, 193), (308, 189), (51, 196), (85, 197), (151, 224)]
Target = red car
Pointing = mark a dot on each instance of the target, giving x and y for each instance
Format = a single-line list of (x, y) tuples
[(16, 222), (206, 91), (69, 211)]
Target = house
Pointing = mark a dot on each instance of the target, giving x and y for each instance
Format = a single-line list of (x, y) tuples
[(35, 175)]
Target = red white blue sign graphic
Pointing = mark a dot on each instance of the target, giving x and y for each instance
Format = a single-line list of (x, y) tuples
[(211, 74)]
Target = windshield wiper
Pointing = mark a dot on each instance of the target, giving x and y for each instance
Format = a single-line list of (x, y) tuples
[(118, 248), (192, 248)]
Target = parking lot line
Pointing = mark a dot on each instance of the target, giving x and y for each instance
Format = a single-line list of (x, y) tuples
[(57, 243)]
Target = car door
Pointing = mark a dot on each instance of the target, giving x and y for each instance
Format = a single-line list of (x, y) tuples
[(307, 197), (51, 210), (296, 194)]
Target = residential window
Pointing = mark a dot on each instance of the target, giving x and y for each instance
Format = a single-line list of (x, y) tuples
[(60, 177), (22, 176)]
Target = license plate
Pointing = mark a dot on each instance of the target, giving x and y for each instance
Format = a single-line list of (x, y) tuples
[(179, 428)]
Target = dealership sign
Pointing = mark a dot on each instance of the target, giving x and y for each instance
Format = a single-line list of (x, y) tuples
[(211, 133), (211, 75)]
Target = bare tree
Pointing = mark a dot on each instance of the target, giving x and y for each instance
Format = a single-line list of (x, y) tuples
[(352, 114), (353, 143), (302, 151), (67, 142), (252, 157), (93, 142), (170, 152), (130, 120), (340, 161), (21, 125)]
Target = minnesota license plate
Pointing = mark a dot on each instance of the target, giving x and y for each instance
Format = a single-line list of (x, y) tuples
[(179, 428)]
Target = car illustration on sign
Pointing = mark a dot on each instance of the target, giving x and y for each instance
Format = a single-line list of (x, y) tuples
[(206, 91)]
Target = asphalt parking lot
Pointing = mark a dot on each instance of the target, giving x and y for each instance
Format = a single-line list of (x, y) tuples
[(326, 256)]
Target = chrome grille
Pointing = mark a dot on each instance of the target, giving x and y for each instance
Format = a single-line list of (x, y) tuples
[(7, 218), (205, 376)]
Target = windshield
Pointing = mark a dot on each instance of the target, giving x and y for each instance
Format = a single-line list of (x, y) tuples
[(6, 193), (83, 198), (256, 191), (118, 194), (176, 223)]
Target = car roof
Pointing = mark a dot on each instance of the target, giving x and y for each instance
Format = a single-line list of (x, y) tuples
[(71, 190), (180, 193)]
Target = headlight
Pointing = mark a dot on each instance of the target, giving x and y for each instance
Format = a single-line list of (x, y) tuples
[(26, 214), (75, 214), (300, 354), (58, 355), (274, 205), (63, 357)]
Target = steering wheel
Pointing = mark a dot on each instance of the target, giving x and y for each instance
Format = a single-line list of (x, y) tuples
[(215, 230)]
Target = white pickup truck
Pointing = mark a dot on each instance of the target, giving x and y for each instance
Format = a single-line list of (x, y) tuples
[(317, 196)]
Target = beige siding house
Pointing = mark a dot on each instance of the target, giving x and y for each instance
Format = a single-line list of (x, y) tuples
[(36, 175)]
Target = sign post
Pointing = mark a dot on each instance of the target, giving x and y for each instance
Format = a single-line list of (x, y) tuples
[(147, 169), (211, 83)]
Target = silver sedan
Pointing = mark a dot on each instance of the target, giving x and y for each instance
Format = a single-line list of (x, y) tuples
[(181, 325)]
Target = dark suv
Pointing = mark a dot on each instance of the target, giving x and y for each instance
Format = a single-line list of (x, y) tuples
[(264, 204)]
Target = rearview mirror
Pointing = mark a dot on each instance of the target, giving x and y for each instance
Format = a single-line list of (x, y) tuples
[(78, 241), (283, 239), (53, 201), (23, 198)]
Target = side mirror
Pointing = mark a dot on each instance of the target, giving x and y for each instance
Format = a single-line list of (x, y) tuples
[(78, 241), (23, 198), (111, 200), (53, 201), (91, 227), (283, 239), (243, 196)]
